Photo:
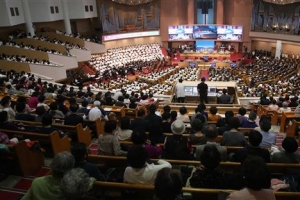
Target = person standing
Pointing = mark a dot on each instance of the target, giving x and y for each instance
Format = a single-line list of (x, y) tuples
[(179, 91), (203, 89)]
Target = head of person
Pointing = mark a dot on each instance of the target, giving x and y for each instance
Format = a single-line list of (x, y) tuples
[(274, 101), (22, 100), (252, 116), (213, 110), (97, 104), (180, 80), (47, 120), (3, 116), (173, 115), (137, 156), (289, 145), (79, 151), (121, 98), (210, 157), (197, 125), (169, 180), (138, 137), (166, 116), (242, 111), (141, 113), (285, 104), (110, 126), (75, 184), (152, 109), (61, 163), (178, 127), (20, 107), (234, 122), (211, 132), (200, 108), (256, 173), (74, 107), (53, 106), (182, 110), (255, 138), (41, 98), (228, 114), (203, 79), (265, 124), (167, 109), (5, 101), (125, 123), (40, 110), (224, 91)]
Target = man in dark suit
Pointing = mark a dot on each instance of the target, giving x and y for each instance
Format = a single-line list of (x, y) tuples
[(152, 117), (73, 119), (203, 89), (224, 98), (140, 123)]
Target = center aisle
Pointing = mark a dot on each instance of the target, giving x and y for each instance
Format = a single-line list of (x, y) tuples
[(204, 73)]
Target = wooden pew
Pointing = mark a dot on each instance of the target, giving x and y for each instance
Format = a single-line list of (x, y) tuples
[(147, 191), (29, 161), (121, 161), (286, 117), (291, 129), (83, 135), (58, 144)]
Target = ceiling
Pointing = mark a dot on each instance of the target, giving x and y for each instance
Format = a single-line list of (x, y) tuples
[(282, 1), (132, 2)]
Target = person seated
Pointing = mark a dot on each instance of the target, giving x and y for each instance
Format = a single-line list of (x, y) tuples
[(200, 110), (183, 115), (84, 110), (46, 125), (139, 171), (208, 176), (5, 123), (273, 106), (224, 98), (269, 138), (140, 123), (97, 112), (166, 125), (290, 154), (54, 112), (108, 143), (75, 184), (223, 124), (21, 115), (252, 148), (124, 131), (284, 108), (33, 100), (79, 151), (140, 138), (177, 146), (5, 106), (173, 116), (168, 180), (293, 102), (241, 114), (211, 135), (73, 118), (197, 138), (264, 100), (233, 137), (23, 99), (49, 187), (133, 103), (120, 102), (152, 117), (41, 100), (257, 181), (39, 111), (250, 122), (212, 116)]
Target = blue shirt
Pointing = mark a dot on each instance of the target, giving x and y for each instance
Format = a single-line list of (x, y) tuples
[(268, 139)]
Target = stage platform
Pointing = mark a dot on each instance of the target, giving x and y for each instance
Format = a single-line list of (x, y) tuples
[(200, 55)]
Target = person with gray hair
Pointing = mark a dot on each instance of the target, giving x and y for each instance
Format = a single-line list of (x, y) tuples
[(49, 187), (76, 183)]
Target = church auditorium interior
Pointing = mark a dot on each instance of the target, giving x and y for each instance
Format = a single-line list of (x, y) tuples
[(174, 99)]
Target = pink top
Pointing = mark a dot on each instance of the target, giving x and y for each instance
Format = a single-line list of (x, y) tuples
[(32, 102)]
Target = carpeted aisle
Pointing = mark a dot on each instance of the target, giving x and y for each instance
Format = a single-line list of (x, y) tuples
[(204, 73)]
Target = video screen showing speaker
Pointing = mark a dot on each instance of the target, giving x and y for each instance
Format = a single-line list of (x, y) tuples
[(230, 33), (205, 32), (213, 64), (206, 58), (180, 32), (205, 45), (233, 65), (192, 64)]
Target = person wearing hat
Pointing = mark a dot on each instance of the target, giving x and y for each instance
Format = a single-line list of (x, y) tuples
[(177, 146), (97, 112)]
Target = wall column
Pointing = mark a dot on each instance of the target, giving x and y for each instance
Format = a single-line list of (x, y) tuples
[(191, 11), (278, 49), (27, 16), (219, 14), (66, 17)]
